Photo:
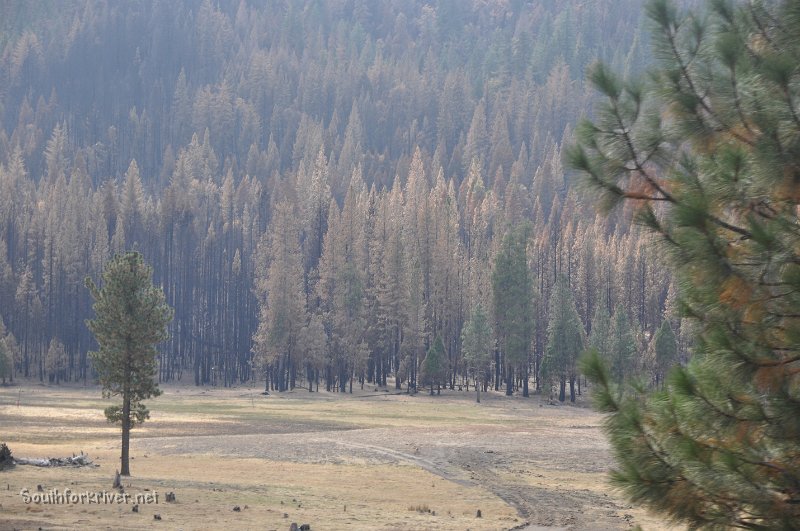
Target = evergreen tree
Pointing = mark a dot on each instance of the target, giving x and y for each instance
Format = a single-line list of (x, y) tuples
[(714, 140), (56, 361), (314, 342), (513, 304), (279, 288), (6, 360), (434, 367), (622, 353), (600, 336), (565, 340), (131, 317), (665, 351), (476, 344)]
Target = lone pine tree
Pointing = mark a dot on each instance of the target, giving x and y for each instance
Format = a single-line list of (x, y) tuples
[(131, 318), (708, 148)]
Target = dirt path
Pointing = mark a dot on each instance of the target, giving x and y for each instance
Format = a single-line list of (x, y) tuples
[(426, 464)]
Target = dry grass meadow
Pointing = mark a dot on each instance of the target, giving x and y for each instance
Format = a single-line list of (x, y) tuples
[(373, 460)]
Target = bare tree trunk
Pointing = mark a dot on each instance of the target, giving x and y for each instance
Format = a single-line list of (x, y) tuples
[(496, 370), (525, 381), (126, 432)]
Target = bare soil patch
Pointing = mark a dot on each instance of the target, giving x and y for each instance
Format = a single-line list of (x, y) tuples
[(334, 461)]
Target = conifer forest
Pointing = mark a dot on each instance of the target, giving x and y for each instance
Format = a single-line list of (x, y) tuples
[(336, 226), (325, 190)]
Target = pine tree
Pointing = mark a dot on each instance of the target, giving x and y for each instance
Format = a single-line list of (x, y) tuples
[(314, 343), (6, 359), (565, 340), (513, 304), (622, 347), (600, 336), (665, 351), (434, 367), (131, 317), (713, 139), (279, 289), (56, 361), (476, 344)]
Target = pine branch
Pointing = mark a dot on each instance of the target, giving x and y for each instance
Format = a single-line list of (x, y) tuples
[(701, 100)]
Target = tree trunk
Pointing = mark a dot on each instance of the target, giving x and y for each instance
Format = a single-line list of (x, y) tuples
[(562, 389), (496, 370), (126, 432), (572, 389), (510, 381), (525, 392), (478, 391)]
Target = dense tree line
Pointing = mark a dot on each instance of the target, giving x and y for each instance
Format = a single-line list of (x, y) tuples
[(326, 190)]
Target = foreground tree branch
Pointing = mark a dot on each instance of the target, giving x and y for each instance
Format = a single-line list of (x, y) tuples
[(718, 447)]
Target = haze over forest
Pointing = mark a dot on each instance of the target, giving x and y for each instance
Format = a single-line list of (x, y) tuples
[(323, 189)]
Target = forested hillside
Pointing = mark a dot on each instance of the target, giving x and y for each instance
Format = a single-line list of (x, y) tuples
[(324, 190)]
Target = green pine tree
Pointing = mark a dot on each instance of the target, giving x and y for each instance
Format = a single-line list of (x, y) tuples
[(622, 354), (131, 318), (476, 344), (6, 365), (565, 340), (666, 351), (434, 365), (512, 287), (708, 147), (600, 336)]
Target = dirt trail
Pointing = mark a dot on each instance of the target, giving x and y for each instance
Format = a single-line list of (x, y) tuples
[(426, 464)]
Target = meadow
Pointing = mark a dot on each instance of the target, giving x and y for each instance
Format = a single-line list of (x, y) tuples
[(235, 458)]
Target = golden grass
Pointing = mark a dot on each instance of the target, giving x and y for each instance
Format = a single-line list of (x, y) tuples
[(58, 422), (352, 492), (208, 488)]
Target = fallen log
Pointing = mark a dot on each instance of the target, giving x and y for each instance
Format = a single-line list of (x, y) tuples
[(75, 461)]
